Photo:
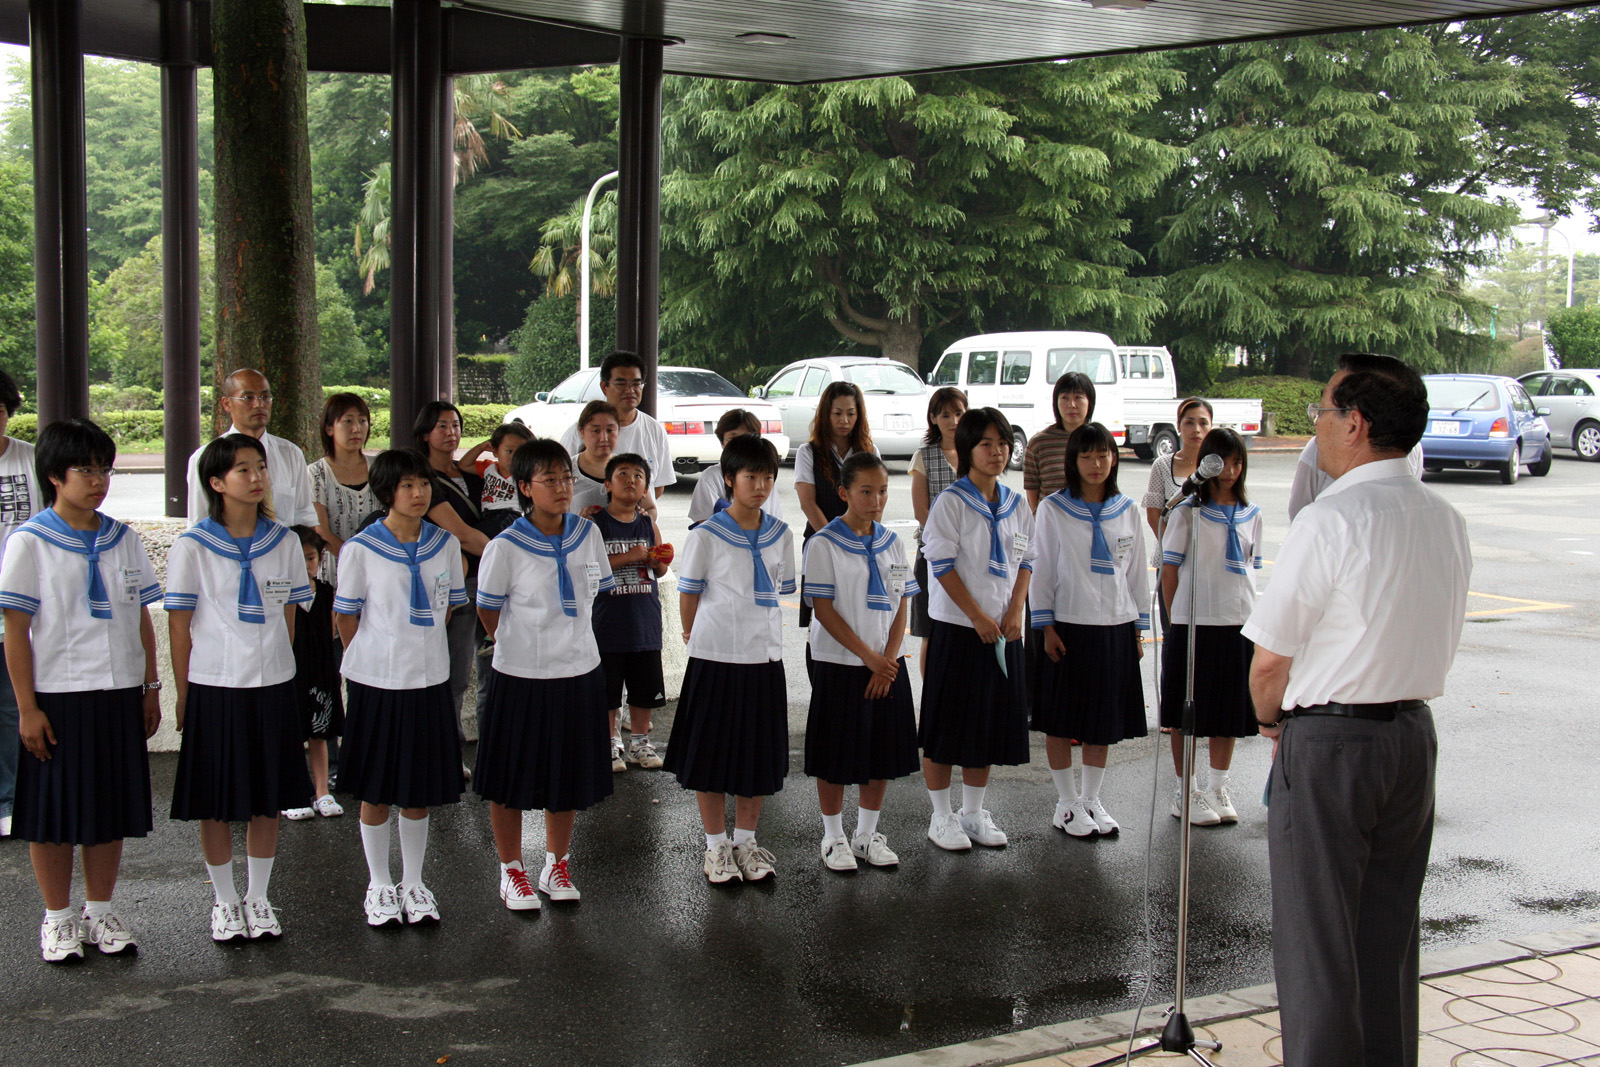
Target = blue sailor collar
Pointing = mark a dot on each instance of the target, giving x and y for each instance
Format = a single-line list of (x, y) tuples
[(50, 526), (1219, 513), (839, 533), (1078, 508), (973, 497), (526, 536), (431, 540), (723, 525), (211, 534)]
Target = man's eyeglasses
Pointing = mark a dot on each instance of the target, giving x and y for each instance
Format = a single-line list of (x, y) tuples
[(1314, 412), (253, 398), (95, 474), (627, 384)]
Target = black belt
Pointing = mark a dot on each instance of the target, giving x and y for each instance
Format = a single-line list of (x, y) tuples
[(1380, 712)]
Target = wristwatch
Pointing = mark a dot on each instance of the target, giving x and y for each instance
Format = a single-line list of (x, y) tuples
[(150, 687)]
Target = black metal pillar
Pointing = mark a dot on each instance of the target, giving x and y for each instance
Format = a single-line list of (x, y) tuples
[(447, 232), (60, 227), (639, 208), (180, 249)]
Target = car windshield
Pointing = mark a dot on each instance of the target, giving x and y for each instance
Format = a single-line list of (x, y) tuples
[(571, 390), (1457, 394), (682, 382), (885, 379)]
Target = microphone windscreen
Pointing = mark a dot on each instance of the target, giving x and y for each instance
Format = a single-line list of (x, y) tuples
[(1209, 467)]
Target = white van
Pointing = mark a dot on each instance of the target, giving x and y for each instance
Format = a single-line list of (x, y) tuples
[(1017, 373)]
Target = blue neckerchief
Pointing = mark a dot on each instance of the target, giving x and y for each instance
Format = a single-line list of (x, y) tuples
[(89, 543), (213, 535), (1231, 515), (723, 525), (526, 535), (430, 540), (1100, 559), (993, 514), (869, 545)]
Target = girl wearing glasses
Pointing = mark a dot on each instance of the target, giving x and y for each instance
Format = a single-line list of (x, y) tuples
[(544, 738)]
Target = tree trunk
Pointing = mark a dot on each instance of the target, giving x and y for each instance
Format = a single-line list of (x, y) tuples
[(903, 341), (266, 266)]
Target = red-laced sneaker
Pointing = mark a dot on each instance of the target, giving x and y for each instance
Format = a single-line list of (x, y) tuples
[(516, 891), (555, 883)]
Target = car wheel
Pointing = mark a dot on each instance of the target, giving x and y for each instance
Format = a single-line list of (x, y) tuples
[(1432, 468), (1143, 452), (1512, 467), (1164, 443), (1541, 466), (1586, 439), (1019, 447)]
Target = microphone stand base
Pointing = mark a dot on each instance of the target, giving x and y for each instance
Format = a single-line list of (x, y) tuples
[(1176, 1036)]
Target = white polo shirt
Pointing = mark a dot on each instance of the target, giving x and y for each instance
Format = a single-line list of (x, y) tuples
[(19, 492), (957, 536), (644, 436), (710, 489), (288, 483), (224, 649), (518, 578), (1369, 591), (1310, 480), (73, 652), (1065, 588), (389, 650), (1222, 596), (836, 570), (716, 564)]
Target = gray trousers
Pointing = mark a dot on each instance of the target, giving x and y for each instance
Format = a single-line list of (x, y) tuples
[(461, 633), (1348, 829)]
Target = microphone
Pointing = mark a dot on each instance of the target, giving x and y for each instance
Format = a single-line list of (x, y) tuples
[(1209, 468)]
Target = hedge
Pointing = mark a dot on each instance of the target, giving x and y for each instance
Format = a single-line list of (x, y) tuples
[(123, 426), (1286, 398), (478, 421)]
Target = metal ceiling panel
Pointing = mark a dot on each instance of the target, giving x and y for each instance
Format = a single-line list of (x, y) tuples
[(826, 40)]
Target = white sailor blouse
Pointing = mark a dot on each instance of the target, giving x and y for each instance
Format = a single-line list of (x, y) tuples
[(544, 588), (1230, 555), (403, 593), (739, 575), (1090, 569), (866, 578), (987, 545)]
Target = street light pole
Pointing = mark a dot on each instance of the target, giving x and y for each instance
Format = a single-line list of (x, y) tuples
[(1547, 223), (583, 273)]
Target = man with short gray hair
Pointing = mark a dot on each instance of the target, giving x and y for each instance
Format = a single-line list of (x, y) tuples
[(247, 399)]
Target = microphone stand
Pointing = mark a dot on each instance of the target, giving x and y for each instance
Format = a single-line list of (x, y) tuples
[(1177, 1035)]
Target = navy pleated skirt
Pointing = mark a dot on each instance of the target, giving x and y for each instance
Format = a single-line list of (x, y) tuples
[(731, 731), (400, 746), (242, 754), (95, 788), (972, 714), (544, 742), (1222, 705), (1095, 693), (851, 740)]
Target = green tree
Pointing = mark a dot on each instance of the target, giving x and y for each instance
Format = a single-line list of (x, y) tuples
[(347, 359), (1523, 287), (16, 275), (546, 344), (133, 300), (1574, 336)]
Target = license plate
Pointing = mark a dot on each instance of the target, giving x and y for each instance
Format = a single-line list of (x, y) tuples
[(1446, 429), (897, 422)]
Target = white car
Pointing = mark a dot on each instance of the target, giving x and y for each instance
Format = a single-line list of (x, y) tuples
[(897, 399), (689, 401)]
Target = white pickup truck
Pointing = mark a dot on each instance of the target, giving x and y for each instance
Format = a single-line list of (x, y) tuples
[(1150, 403)]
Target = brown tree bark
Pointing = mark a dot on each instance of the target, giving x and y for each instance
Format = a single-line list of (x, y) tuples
[(266, 266)]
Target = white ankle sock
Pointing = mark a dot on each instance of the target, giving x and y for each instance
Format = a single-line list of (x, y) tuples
[(833, 826), (742, 836), (96, 908), (713, 840), (1065, 790), (375, 843), (972, 798), (56, 915), (866, 822), (941, 800), (413, 849), (1216, 778), (222, 883), (260, 869), (1092, 777)]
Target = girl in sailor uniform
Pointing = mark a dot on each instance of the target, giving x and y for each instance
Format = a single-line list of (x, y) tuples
[(234, 581), (544, 739), (731, 732), (862, 729), (979, 544), (399, 579), (75, 586), (1089, 597), (1224, 584)]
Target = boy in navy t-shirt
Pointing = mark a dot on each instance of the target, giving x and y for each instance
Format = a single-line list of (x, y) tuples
[(627, 621)]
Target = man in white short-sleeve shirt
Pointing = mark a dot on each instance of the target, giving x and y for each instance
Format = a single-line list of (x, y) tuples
[(622, 382), (19, 502), (247, 399), (1355, 633)]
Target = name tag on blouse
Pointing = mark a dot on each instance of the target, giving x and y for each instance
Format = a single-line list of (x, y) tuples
[(1019, 545), (1124, 544), (441, 591), (591, 574), (898, 573), (131, 577), (275, 591)]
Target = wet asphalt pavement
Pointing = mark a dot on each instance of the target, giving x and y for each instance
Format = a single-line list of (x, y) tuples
[(655, 966)]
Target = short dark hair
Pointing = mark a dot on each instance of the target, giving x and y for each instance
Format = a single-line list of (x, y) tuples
[(970, 430), (747, 453), (1389, 395), (427, 418), (628, 459), (392, 466), (10, 395), (509, 429), (534, 457), (620, 358), (598, 407), (1229, 445), (309, 538), (217, 459), (334, 409), (1090, 437), (69, 443), (857, 465), (1071, 382), (941, 399), (737, 419)]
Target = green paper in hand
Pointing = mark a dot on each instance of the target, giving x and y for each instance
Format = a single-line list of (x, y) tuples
[(1000, 655)]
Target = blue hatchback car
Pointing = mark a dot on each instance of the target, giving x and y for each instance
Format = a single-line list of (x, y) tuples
[(1483, 422)]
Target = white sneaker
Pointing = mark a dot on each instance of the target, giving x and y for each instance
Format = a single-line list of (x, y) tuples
[(643, 753), (1222, 803), (755, 862), (227, 922), (945, 831), (297, 814), (556, 883), (1075, 819), (328, 807), (5, 825), (619, 762), (60, 940), (107, 932), (836, 854), (875, 850), (979, 826), (260, 921), (418, 905), (516, 892), (1201, 813), (1102, 818), (383, 906), (720, 866)]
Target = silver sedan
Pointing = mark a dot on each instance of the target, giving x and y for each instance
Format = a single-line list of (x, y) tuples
[(1569, 400)]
